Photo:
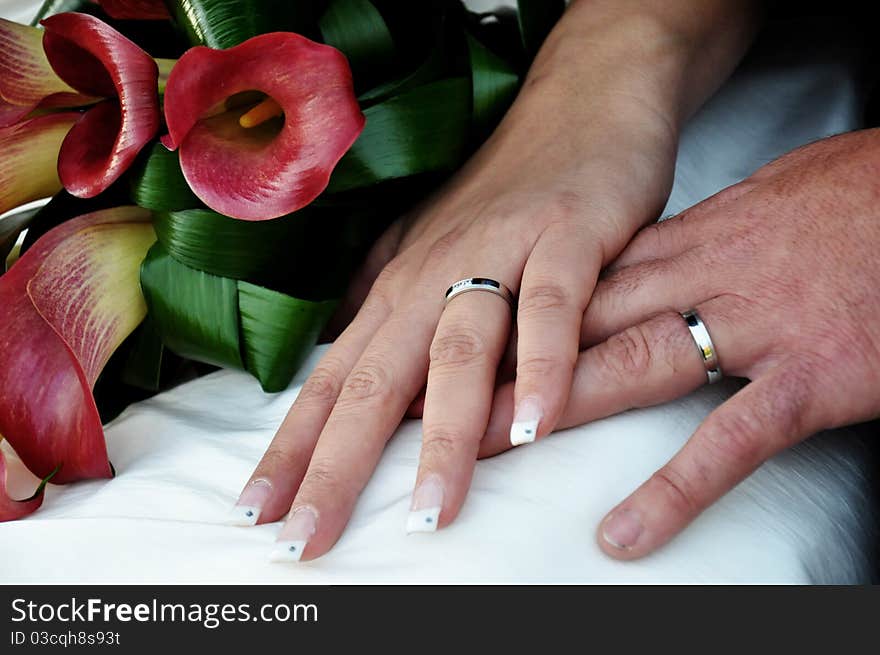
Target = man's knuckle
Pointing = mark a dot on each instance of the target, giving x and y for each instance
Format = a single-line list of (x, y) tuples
[(677, 491), (732, 439), (792, 410), (741, 437), (651, 237), (627, 353), (670, 235)]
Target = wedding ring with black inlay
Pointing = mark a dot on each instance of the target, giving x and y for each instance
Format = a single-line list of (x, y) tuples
[(479, 284)]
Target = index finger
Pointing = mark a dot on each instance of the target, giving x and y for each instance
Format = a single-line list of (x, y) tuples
[(374, 398), (273, 484), (768, 415)]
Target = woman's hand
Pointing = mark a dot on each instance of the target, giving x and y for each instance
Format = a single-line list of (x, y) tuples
[(551, 198), (784, 270)]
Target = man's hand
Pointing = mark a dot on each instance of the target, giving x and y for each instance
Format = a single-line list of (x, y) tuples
[(784, 269)]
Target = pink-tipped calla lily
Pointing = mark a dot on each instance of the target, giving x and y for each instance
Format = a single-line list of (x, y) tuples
[(135, 9), (96, 60), (264, 161), (65, 306), (27, 81), (28, 158)]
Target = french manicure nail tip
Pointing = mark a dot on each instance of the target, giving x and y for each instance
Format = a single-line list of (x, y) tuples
[(288, 551), (295, 535), (243, 515), (523, 432), (427, 503), (247, 510), (525, 422), (423, 520)]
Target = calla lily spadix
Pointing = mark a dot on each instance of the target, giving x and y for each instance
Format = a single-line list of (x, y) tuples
[(260, 156), (67, 304)]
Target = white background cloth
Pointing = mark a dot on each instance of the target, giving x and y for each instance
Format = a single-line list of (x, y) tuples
[(21, 11), (182, 457)]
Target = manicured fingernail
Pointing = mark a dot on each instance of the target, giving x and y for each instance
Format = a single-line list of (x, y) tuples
[(525, 422), (622, 529), (295, 534), (427, 501), (250, 504)]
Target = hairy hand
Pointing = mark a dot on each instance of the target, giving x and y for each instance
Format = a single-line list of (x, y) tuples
[(784, 270)]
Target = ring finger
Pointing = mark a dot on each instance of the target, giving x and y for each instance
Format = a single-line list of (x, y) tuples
[(633, 294), (644, 365), (464, 359)]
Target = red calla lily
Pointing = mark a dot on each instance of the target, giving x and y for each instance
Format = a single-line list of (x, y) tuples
[(135, 9), (276, 165), (27, 81), (65, 306), (96, 60)]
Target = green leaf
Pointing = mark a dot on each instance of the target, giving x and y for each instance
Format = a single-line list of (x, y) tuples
[(278, 333), (157, 182), (536, 20), (230, 323), (495, 85), (143, 363), (356, 28), (217, 244), (226, 23), (196, 313), (431, 70), (421, 131)]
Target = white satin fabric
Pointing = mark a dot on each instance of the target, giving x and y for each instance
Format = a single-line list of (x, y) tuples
[(21, 11), (182, 457)]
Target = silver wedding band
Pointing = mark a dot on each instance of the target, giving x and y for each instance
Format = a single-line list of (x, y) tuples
[(479, 284), (704, 344)]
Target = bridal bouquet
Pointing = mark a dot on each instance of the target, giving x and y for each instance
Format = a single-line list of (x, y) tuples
[(217, 169)]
